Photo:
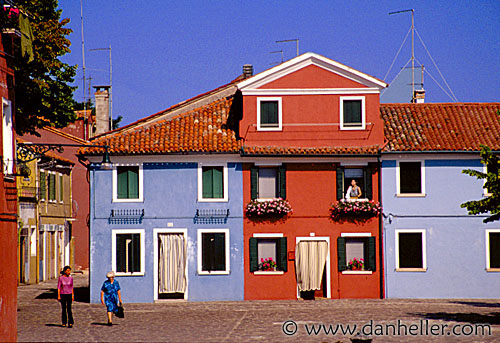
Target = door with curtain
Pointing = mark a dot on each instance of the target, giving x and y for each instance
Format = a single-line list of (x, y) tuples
[(310, 262), (172, 283)]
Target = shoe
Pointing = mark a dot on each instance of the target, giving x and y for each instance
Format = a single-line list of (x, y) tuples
[(110, 324), (70, 326), (63, 325)]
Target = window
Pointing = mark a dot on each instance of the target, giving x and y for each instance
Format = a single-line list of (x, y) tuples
[(356, 247), (268, 182), (363, 177), (7, 137), (212, 183), (43, 186), (128, 183), (61, 188), (268, 246), (411, 178), (493, 249), (128, 252), (213, 251), (269, 117), (352, 113), (52, 186), (410, 250)]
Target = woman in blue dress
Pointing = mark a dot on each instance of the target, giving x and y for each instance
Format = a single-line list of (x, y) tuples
[(111, 295)]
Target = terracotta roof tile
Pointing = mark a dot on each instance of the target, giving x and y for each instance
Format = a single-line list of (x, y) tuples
[(313, 151), (441, 127)]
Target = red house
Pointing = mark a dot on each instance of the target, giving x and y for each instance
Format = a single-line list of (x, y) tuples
[(309, 127)]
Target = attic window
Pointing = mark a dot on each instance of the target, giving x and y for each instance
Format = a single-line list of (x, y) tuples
[(269, 116), (352, 113)]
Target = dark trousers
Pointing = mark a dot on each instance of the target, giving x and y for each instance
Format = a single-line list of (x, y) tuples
[(67, 315)]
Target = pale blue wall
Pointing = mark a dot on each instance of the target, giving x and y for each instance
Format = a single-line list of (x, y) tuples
[(456, 247), (170, 196)]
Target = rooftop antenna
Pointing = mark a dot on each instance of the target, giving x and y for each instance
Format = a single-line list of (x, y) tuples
[(110, 83), (296, 40), (277, 52), (83, 69)]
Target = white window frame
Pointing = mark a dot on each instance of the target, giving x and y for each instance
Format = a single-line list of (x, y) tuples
[(487, 240), (356, 235), (268, 236), (7, 138), (424, 250), (280, 114), (422, 180), (141, 182), (225, 182), (363, 112), (113, 250), (200, 251)]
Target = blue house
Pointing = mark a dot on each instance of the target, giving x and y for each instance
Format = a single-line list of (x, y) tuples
[(167, 216), (432, 247)]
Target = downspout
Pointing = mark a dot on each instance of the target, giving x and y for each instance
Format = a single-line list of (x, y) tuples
[(380, 227)]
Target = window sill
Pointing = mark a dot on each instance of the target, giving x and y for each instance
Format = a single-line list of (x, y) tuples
[(411, 269), (262, 272), (269, 128), (130, 274), (128, 200), (350, 128), (411, 195), (493, 270), (222, 272), (355, 200), (213, 200), (357, 272)]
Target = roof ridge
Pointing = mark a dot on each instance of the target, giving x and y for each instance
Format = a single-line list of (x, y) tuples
[(65, 134)]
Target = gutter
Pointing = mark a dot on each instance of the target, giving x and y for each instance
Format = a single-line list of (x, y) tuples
[(380, 229), (436, 152)]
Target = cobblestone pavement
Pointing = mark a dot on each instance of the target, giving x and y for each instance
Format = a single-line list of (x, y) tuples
[(250, 321)]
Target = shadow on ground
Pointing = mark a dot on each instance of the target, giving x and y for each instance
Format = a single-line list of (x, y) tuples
[(82, 294), (477, 303), (473, 318)]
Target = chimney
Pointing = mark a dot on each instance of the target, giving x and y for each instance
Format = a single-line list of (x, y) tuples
[(247, 70), (419, 96), (101, 109)]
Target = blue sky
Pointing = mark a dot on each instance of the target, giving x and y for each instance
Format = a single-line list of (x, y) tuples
[(164, 52)]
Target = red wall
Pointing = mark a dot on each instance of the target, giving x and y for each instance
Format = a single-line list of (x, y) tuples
[(311, 188)]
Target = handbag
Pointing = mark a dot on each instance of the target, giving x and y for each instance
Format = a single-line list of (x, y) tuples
[(119, 312)]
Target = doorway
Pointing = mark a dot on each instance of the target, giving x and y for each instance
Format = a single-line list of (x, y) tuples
[(312, 267)]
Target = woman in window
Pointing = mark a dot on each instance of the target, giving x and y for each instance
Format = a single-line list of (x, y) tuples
[(66, 295), (353, 192), (111, 295)]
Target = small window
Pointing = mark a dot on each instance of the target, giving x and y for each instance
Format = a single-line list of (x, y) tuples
[(410, 177), (269, 114), (127, 182), (128, 252), (61, 188), (213, 250), (268, 182), (213, 182), (353, 251), (7, 137), (52, 186), (410, 249), (268, 248), (352, 113), (362, 177), (493, 249)]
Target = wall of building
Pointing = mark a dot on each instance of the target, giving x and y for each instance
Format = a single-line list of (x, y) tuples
[(170, 202), (455, 242)]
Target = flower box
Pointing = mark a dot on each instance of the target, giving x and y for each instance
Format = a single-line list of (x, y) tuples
[(356, 264), (355, 209), (267, 265), (277, 207)]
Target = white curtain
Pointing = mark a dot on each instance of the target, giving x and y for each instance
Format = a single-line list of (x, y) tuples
[(310, 259), (172, 266)]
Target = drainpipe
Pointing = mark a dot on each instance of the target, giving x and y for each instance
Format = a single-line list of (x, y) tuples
[(380, 228)]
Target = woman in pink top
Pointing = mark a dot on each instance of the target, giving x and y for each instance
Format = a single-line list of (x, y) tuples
[(66, 295)]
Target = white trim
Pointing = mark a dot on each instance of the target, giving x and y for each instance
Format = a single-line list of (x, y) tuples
[(303, 61), (310, 91), (355, 234), (224, 178), (268, 164), (358, 272), (8, 147), (487, 250), (200, 252), (280, 114), (422, 179), (115, 232), (267, 235), (156, 232), (363, 113), (328, 274), (115, 182), (424, 249)]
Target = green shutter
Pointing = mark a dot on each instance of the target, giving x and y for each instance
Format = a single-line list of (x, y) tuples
[(368, 183), (342, 264), (254, 182), (61, 188), (282, 182), (43, 186), (133, 183), (371, 254), (218, 183), (207, 183), (269, 113), (122, 183), (52, 187), (340, 183), (219, 252), (282, 258), (352, 111), (254, 263)]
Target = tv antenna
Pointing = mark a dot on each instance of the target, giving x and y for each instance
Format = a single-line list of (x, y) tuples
[(277, 52), (296, 40)]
